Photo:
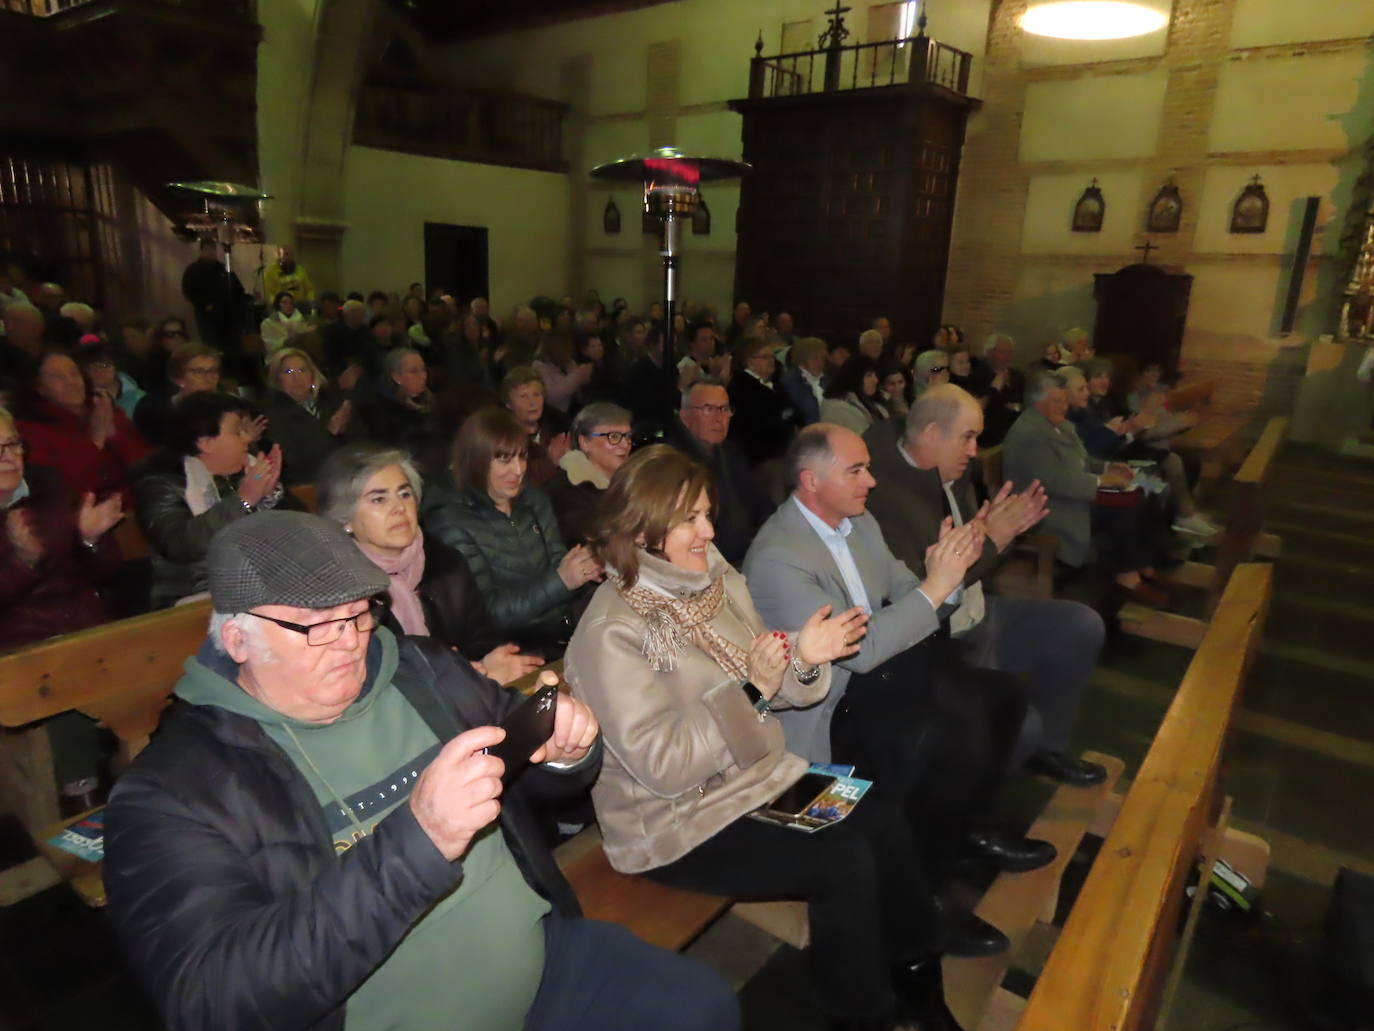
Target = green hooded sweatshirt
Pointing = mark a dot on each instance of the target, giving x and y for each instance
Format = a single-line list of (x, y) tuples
[(476, 958)]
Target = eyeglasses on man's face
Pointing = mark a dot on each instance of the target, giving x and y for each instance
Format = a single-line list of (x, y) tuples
[(713, 409), (320, 634), (11, 447), (613, 437)]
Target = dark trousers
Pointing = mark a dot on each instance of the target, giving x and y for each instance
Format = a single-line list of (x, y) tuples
[(1054, 645), (868, 902), (1123, 535), (599, 975), (936, 737)]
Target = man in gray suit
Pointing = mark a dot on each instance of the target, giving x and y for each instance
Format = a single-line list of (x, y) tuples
[(1043, 446), (936, 736), (922, 466)]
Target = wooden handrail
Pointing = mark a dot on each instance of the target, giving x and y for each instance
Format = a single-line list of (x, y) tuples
[(1255, 469), (1107, 969)]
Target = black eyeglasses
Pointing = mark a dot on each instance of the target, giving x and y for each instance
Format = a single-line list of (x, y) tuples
[(11, 447), (613, 437), (320, 634)]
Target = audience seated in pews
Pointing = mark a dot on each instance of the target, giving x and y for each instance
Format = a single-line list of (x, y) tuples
[(922, 467), (519, 346), (506, 530), (561, 376), (402, 412), (80, 433), (701, 358), (679, 670), (802, 381), (852, 396), (55, 551), (283, 324), (701, 431), (202, 479), (649, 392), (872, 344), (146, 360), (600, 442), (934, 735), (307, 418), (895, 389), (255, 879), (350, 352), (374, 493), (1005, 389), (99, 364), (764, 421), (1043, 446), (522, 393)]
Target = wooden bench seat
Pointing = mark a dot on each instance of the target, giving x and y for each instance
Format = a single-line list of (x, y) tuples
[(1240, 540)]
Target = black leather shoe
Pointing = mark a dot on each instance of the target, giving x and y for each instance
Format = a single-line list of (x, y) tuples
[(1014, 855), (1059, 767), (971, 936), (921, 987)]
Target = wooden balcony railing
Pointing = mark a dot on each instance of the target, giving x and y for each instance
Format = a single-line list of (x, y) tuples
[(462, 125), (914, 60)]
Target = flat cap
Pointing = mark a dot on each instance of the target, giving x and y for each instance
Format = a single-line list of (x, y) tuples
[(288, 558)]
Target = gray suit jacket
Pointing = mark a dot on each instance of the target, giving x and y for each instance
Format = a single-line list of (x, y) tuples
[(1035, 449), (791, 574)]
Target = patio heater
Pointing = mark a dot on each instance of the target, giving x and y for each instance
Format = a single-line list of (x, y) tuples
[(671, 180)]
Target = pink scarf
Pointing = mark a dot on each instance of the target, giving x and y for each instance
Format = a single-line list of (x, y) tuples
[(405, 571)]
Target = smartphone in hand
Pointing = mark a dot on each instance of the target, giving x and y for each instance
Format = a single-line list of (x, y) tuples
[(527, 727)]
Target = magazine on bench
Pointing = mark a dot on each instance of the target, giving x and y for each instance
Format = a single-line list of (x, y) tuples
[(84, 839), (831, 805)]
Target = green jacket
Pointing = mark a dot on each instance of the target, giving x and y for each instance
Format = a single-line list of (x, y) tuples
[(513, 557)]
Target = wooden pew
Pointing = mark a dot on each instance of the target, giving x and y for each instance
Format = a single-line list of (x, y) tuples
[(1110, 968), (1193, 396), (1239, 541)]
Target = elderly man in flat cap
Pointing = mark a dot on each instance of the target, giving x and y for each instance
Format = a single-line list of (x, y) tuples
[(316, 839)]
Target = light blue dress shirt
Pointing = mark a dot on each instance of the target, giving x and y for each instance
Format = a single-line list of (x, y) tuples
[(837, 540)]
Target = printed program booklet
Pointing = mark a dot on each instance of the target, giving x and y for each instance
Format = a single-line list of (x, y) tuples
[(831, 806), (85, 838)]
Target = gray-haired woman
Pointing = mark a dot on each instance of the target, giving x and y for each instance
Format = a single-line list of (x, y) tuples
[(600, 439), (403, 414), (374, 492)]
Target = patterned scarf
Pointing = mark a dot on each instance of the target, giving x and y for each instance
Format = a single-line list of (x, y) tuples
[(671, 622)]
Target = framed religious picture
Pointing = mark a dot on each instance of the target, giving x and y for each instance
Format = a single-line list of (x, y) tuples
[(1088, 212), (610, 218), (1251, 211), (701, 218), (1165, 210)]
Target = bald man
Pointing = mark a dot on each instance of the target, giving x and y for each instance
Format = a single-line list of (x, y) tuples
[(922, 469)]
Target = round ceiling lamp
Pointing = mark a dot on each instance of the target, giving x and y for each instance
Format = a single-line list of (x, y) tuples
[(1092, 19)]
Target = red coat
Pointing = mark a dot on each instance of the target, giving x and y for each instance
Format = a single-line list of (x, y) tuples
[(60, 440), (59, 594)]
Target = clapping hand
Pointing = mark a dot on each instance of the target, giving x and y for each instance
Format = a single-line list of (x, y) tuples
[(93, 520), (348, 379), (102, 424), (826, 638), (257, 428), (768, 658), (338, 422), (261, 477), (578, 567), (558, 447), (19, 529), (948, 559), (1007, 516), (574, 728)]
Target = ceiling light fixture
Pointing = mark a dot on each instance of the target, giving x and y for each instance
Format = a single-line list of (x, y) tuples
[(1092, 19)]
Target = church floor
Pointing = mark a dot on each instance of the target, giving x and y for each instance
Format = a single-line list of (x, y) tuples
[(1301, 770)]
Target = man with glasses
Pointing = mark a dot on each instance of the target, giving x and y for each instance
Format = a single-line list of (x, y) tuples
[(701, 430), (317, 837)]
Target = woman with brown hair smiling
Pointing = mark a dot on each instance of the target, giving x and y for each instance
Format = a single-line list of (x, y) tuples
[(682, 675)]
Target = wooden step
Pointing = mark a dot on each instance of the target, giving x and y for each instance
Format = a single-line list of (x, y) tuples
[(1015, 902)]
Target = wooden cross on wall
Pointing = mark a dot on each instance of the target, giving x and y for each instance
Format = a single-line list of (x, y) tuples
[(1145, 250), (835, 32)]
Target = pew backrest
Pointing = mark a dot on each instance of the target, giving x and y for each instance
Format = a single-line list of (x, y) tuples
[(1109, 965), (1245, 518), (120, 673), (1191, 397)]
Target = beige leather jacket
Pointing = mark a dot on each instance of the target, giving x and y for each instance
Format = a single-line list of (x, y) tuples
[(686, 753)]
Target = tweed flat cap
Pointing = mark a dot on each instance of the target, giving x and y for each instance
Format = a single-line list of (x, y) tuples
[(288, 558)]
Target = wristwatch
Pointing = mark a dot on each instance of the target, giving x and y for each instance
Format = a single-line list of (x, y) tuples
[(756, 699)]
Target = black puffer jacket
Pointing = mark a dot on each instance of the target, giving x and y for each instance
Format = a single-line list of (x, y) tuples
[(231, 904), (514, 558)]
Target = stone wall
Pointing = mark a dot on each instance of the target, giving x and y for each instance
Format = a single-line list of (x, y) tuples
[(1230, 89)]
